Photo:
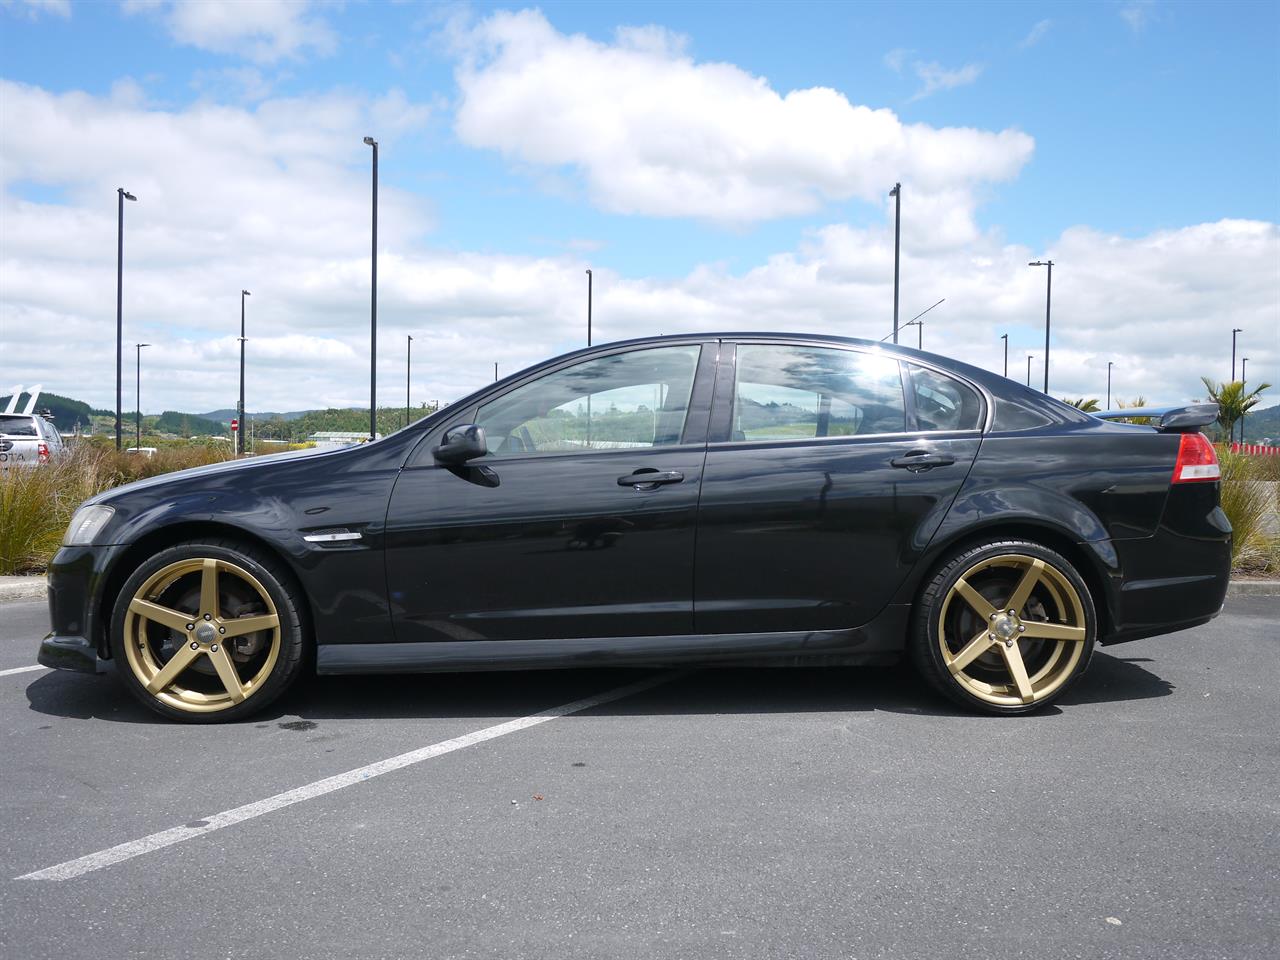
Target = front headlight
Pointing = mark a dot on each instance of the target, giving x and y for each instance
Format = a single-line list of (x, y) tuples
[(87, 524)]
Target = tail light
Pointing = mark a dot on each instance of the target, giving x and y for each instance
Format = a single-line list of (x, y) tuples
[(42, 452), (1197, 460)]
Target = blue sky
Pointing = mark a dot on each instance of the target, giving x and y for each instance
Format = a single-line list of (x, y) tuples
[(1145, 117)]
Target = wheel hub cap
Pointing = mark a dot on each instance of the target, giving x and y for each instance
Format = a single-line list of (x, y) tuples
[(205, 633), (1005, 628)]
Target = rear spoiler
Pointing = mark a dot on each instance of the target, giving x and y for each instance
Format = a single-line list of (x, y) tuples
[(1188, 419)]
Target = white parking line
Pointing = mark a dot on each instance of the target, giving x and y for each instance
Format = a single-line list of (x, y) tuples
[(165, 838), (12, 670)]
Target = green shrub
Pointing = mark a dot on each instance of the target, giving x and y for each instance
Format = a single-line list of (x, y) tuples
[(1248, 501)]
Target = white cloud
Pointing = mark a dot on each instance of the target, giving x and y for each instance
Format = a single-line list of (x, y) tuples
[(934, 77), (1036, 34), (653, 132), (32, 9), (896, 58), (1138, 13), (274, 198), (261, 30)]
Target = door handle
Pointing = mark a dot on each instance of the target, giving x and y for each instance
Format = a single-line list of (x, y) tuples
[(919, 460), (649, 478)]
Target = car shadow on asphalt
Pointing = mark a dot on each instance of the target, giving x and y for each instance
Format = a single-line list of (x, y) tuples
[(722, 690)]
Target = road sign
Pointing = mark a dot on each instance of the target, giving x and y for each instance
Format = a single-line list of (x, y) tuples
[(235, 425)]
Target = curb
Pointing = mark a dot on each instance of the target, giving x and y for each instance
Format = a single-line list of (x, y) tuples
[(13, 589), (1253, 588)]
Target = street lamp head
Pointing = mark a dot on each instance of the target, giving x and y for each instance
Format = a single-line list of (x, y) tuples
[(1038, 263), (1237, 329), (141, 345), (370, 141), (245, 293), (897, 188), (125, 193), (588, 273)]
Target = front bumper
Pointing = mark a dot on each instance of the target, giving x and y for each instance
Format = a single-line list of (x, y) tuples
[(77, 578), (69, 653)]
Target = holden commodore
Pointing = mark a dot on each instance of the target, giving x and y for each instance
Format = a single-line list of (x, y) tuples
[(708, 499)]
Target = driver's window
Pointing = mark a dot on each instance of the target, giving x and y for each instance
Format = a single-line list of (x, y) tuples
[(627, 400)]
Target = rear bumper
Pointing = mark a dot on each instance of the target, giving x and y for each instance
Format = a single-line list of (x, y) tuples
[(1172, 580)]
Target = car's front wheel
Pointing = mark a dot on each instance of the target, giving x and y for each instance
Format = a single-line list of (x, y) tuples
[(1005, 627), (209, 631)]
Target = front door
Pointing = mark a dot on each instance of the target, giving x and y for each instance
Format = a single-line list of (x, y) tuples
[(580, 520), (825, 480)]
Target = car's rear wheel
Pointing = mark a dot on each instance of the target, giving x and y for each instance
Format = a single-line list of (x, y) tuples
[(208, 632), (1005, 627)]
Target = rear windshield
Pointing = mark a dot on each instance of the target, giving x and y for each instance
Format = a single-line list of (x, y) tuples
[(19, 426)]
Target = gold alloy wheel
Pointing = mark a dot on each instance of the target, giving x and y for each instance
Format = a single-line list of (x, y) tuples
[(1012, 630), (214, 654)]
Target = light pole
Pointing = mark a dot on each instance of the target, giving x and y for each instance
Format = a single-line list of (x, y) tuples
[(896, 193), (121, 195), (137, 444), (408, 374), (1110, 364), (1005, 338), (495, 371), (240, 404), (1234, 331), (1029, 358), (1048, 300), (373, 304), (1244, 362), (589, 278)]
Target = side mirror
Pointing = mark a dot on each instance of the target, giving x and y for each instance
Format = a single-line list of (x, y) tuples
[(461, 443)]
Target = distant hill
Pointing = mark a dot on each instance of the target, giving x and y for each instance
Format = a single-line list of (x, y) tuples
[(1262, 423), (224, 416), (186, 424), (66, 412)]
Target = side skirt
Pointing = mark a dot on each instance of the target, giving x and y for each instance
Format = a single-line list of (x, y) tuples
[(876, 643)]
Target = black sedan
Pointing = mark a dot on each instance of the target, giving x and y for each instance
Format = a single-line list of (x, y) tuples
[(750, 498)]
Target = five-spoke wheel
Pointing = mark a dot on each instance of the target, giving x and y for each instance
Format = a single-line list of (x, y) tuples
[(1004, 626), (207, 631)]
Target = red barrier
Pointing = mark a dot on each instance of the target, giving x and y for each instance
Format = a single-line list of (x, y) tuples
[(1255, 449)]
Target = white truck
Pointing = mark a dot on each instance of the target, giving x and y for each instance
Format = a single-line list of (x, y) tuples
[(27, 439)]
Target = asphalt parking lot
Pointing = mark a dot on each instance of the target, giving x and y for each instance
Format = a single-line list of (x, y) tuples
[(717, 813)]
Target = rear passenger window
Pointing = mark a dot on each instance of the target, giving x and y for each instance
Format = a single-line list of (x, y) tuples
[(943, 403), (799, 393)]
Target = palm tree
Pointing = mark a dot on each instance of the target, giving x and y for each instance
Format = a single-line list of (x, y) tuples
[(1138, 401), (1083, 405), (1233, 402)]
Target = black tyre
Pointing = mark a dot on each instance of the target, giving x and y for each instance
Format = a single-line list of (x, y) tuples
[(1004, 627), (209, 631)]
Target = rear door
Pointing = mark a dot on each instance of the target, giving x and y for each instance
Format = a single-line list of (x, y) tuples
[(580, 521), (827, 473)]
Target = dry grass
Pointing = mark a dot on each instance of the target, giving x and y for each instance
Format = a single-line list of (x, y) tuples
[(36, 503)]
